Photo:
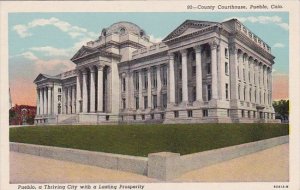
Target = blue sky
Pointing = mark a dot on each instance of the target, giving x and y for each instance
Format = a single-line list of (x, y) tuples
[(44, 42)]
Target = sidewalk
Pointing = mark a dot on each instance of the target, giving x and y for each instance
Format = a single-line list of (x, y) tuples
[(268, 165)]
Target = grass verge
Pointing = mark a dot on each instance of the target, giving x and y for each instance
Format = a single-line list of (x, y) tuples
[(140, 140)]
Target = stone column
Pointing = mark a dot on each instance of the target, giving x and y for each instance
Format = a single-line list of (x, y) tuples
[(66, 100), (100, 89), (261, 77), (69, 103), (41, 102), (214, 83), (158, 86), (171, 78), (233, 60), (149, 94), (141, 103), (127, 92), (184, 76), (78, 92), (37, 102), (49, 101), (73, 99), (131, 90), (266, 77), (92, 90), (84, 92), (45, 101), (198, 74)]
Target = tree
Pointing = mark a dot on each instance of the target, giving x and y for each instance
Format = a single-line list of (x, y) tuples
[(282, 108)]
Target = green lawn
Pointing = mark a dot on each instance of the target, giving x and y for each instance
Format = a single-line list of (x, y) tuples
[(139, 140)]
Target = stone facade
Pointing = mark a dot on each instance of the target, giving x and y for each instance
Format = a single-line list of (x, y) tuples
[(201, 72)]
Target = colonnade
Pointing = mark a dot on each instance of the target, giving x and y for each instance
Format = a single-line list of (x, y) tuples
[(90, 89), (198, 58), (45, 100), (255, 80), (69, 99)]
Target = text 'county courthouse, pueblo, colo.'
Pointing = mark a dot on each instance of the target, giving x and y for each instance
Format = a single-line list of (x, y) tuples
[(201, 72)]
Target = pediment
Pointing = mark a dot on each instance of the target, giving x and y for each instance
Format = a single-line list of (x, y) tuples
[(83, 51), (188, 27), (42, 77)]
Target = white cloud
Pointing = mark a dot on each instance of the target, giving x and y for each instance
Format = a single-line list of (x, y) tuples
[(73, 31), (51, 51), (29, 55), (154, 39), (278, 45), (264, 20), (40, 65)]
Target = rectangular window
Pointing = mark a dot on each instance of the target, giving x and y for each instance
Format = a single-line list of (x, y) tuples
[(162, 116), (190, 113), (165, 75), (226, 91), (254, 114), (180, 74), (205, 113), (180, 95), (152, 116), (124, 103), (137, 103), (249, 114), (193, 70), (136, 80), (226, 68), (154, 77), (238, 71), (164, 100), (143, 117), (228, 113), (194, 93), (107, 117), (59, 98), (145, 102), (226, 53), (123, 84), (145, 79), (208, 68), (134, 117), (208, 92), (154, 100), (244, 77), (243, 113), (176, 114), (59, 90)]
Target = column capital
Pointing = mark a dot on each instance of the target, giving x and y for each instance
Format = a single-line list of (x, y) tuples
[(198, 48), (92, 70), (100, 67), (123, 74), (183, 52), (171, 55), (233, 49), (213, 44), (83, 71)]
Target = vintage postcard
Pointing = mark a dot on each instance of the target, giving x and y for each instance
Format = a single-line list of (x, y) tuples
[(149, 95)]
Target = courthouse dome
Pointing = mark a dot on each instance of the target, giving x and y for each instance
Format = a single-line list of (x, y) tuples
[(122, 28)]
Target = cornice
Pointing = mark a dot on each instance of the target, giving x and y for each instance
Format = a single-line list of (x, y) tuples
[(252, 45), (192, 35)]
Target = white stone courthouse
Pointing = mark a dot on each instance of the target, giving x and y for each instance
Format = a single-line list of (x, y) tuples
[(202, 72)]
